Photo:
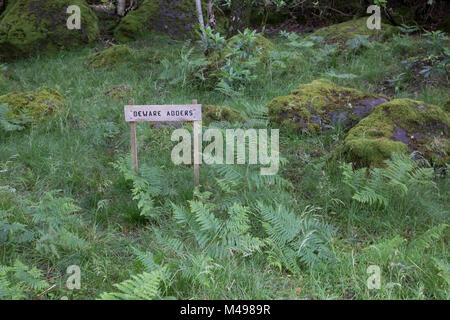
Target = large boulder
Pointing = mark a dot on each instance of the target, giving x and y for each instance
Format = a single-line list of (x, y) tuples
[(400, 126), (320, 104), (342, 32), (33, 105), (178, 18), (30, 27)]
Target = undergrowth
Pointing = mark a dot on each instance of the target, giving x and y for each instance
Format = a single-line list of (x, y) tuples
[(68, 195)]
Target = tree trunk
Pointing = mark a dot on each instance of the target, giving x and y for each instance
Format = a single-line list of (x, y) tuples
[(240, 16), (211, 16), (198, 4), (121, 4)]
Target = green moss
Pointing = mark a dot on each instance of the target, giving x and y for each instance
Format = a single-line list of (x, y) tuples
[(109, 57), (33, 105), (402, 125), (342, 32), (317, 105), (132, 24), (29, 27), (211, 113)]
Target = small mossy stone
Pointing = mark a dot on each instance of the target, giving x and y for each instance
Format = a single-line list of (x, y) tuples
[(32, 27), (316, 106), (212, 113), (400, 126), (342, 32), (109, 57), (33, 105)]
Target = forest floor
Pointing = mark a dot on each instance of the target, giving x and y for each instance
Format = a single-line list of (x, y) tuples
[(66, 188)]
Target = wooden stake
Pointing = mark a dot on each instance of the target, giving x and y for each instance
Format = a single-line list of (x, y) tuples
[(133, 143), (197, 131)]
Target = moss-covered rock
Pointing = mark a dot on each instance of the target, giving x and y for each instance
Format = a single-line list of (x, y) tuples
[(400, 126), (33, 105), (109, 57), (134, 22), (29, 27), (320, 104), (342, 32), (211, 113), (177, 18)]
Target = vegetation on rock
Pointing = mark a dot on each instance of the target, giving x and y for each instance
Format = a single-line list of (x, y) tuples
[(211, 113), (109, 57), (136, 21), (175, 17), (321, 104), (400, 126), (345, 31), (32, 27), (33, 105), (341, 202)]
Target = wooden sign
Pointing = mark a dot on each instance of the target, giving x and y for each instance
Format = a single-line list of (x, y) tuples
[(189, 112)]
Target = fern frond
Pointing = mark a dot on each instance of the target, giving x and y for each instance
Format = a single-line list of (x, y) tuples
[(444, 269), (146, 259), (282, 225), (144, 286), (426, 240), (383, 185), (301, 236), (205, 218), (19, 281), (384, 252)]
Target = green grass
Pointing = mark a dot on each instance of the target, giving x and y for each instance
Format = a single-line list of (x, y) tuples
[(73, 152)]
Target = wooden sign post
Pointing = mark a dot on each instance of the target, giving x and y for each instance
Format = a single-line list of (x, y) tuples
[(158, 113)]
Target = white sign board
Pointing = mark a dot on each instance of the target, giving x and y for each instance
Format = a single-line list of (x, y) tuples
[(188, 112)]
